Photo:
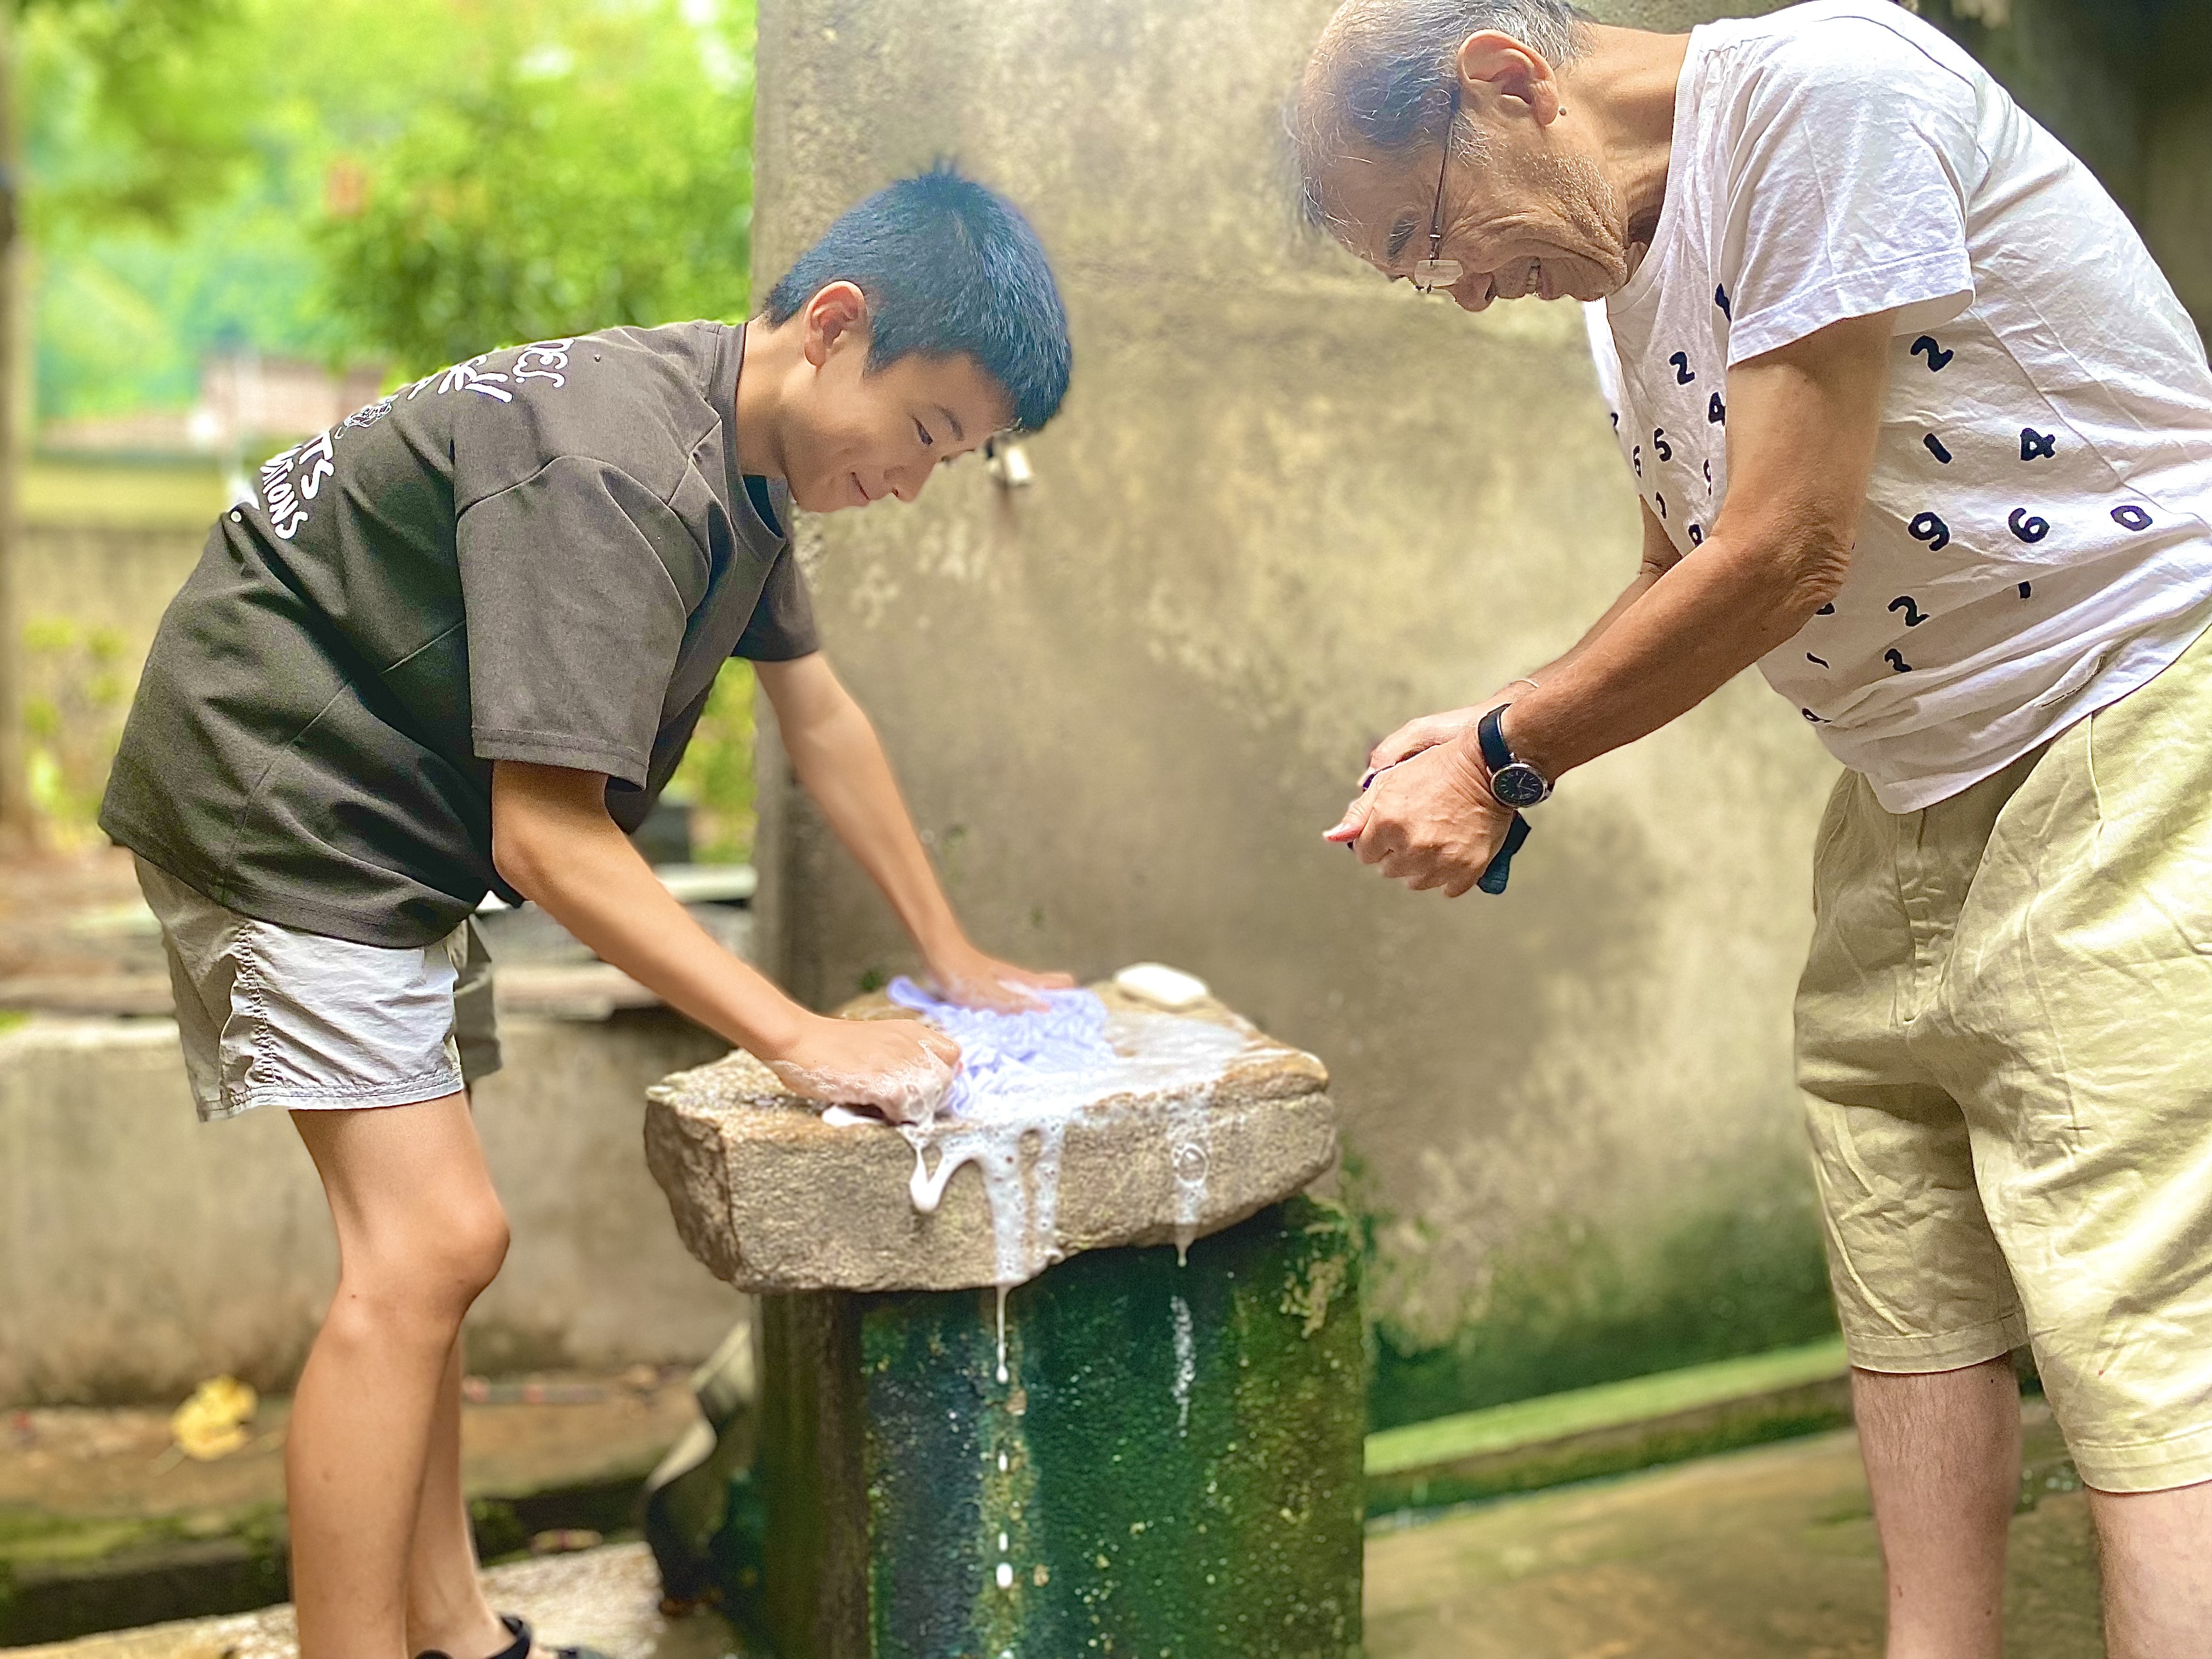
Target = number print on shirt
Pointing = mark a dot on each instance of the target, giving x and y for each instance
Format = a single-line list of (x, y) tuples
[(1809, 657), (1709, 477), (2130, 517), (1683, 373), (1914, 616), (1659, 500), (1721, 299), (2027, 590), (1616, 418), (1895, 659), (1935, 448), (1660, 446), (1697, 535), (1927, 527), (1635, 459), (2026, 526), (1827, 610), (1716, 411), (2038, 445), (1938, 359)]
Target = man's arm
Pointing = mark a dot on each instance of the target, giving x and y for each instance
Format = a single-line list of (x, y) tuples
[(554, 842), (1803, 424), (835, 750)]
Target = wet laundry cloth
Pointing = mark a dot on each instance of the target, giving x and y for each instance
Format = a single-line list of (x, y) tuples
[(1019, 1059)]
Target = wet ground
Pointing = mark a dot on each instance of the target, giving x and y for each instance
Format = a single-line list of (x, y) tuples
[(1762, 1554)]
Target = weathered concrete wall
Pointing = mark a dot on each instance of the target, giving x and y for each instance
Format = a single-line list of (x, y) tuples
[(1285, 507), (141, 1251)]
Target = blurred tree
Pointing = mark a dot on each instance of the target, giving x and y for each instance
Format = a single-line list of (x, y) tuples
[(140, 57), (599, 171)]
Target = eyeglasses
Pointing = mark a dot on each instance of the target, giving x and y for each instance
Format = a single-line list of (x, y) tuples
[(1433, 272)]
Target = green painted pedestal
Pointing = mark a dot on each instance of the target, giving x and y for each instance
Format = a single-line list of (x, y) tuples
[(1171, 1471)]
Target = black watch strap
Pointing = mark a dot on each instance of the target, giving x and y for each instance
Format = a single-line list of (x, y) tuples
[(1490, 738)]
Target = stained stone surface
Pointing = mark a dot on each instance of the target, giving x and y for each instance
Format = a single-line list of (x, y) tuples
[(1171, 1464), (771, 1199)]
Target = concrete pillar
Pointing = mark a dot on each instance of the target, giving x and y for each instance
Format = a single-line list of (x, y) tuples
[(1136, 1428), (1285, 508)]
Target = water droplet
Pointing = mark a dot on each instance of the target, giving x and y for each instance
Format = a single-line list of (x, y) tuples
[(1005, 1576)]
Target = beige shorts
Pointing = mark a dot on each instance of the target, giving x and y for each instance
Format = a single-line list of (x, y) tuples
[(271, 1016), (2005, 1035)]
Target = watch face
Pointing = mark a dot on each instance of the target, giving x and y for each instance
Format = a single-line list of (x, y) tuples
[(1519, 785)]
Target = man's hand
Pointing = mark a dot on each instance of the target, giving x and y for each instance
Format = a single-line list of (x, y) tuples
[(1430, 821), (901, 1067), (964, 974), (1430, 730)]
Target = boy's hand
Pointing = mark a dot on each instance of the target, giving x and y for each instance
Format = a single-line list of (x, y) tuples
[(901, 1067), (964, 974)]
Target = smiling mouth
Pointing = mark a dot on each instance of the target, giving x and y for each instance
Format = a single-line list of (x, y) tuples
[(862, 490)]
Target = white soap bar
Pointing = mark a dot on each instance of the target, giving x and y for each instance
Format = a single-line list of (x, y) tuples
[(1162, 986)]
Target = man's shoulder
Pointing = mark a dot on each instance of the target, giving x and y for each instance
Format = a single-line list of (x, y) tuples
[(1870, 46)]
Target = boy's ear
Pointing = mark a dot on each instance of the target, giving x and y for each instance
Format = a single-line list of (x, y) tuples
[(838, 311)]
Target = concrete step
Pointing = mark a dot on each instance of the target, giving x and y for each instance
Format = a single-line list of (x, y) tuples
[(1609, 1429), (103, 1525)]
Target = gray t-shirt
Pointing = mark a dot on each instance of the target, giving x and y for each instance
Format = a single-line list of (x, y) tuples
[(542, 553)]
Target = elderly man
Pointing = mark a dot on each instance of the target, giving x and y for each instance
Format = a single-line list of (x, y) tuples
[(1920, 429)]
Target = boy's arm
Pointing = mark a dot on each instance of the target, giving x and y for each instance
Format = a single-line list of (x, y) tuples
[(835, 750), (554, 842)]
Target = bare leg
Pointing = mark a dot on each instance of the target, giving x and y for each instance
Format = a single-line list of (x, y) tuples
[(446, 1606), (421, 1233), (1943, 1459), (2155, 1550)]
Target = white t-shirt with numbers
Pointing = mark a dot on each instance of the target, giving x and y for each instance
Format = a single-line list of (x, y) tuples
[(2037, 540)]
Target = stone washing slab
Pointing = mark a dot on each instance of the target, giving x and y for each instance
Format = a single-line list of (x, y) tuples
[(774, 1200)]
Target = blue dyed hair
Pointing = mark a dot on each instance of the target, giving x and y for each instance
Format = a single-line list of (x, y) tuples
[(950, 268)]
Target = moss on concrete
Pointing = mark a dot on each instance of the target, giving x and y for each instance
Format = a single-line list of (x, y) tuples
[(1173, 1464), (1572, 1307)]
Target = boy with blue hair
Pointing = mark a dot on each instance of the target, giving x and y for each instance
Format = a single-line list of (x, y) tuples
[(458, 645)]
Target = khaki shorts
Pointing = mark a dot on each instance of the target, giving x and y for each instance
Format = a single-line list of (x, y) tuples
[(271, 1016), (2005, 1033)]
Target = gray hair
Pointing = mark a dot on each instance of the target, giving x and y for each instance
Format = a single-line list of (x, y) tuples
[(1383, 73)]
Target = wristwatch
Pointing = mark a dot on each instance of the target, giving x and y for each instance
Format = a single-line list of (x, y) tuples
[(1514, 783)]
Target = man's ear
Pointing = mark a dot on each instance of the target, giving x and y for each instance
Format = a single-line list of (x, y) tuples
[(1495, 70), (838, 311)]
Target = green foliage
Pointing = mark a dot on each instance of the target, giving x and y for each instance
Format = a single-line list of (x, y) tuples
[(599, 173), (716, 775), (530, 167), (76, 688), (141, 98)]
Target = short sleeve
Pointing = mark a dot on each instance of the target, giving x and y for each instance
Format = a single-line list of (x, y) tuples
[(578, 584), (1852, 156), (782, 624)]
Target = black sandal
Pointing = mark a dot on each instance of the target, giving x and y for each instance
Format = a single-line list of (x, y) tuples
[(519, 1628)]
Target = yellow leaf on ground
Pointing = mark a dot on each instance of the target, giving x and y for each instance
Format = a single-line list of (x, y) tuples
[(212, 1423)]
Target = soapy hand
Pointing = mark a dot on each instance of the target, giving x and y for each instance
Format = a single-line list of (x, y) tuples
[(1429, 821), (965, 976), (1427, 731), (901, 1067)]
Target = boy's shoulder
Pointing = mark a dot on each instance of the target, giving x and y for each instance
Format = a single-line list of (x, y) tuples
[(646, 402)]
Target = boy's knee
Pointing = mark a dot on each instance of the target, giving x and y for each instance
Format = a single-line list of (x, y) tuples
[(428, 1269)]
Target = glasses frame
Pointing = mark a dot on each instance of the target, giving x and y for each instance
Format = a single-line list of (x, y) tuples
[(1436, 272)]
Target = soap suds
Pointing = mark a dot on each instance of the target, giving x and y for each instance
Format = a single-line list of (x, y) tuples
[(1185, 1363), (1025, 1077)]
